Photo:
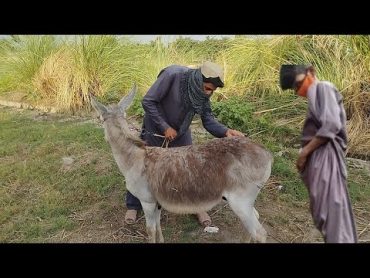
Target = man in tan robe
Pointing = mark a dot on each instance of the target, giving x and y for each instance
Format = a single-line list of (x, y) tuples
[(321, 161)]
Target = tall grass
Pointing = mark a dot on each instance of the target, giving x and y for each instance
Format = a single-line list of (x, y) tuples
[(63, 73), (102, 65), (157, 56), (21, 57), (89, 64), (253, 66)]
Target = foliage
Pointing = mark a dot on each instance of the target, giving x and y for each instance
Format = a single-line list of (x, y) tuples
[(63, 72), (237, 113)]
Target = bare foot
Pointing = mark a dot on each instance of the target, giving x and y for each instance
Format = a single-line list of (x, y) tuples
[(204, 219), (130, 216)]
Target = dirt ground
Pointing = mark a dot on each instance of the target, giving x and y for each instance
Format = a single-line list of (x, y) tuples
[(285, 221)]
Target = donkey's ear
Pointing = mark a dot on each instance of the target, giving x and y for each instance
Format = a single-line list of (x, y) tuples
[(126, 101), (100, 108)]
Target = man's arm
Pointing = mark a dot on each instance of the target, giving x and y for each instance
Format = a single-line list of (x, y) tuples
[(308, 149), (326, 110), (153, 98), (217, 129)]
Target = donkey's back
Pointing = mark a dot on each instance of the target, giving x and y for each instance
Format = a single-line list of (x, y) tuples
[(195, 178)]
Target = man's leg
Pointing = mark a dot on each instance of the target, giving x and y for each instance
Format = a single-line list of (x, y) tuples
[(133, 205)]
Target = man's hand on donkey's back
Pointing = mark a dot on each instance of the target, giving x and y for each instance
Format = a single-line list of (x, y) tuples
[(233, 132)]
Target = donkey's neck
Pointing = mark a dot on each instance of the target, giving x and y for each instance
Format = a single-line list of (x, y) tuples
[(126, 150)]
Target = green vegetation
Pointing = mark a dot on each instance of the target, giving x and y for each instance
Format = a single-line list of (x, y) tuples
[(56, 167), (62, 73), (38, 191)]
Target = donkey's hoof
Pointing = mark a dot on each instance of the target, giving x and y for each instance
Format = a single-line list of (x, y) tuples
[(261, 235)]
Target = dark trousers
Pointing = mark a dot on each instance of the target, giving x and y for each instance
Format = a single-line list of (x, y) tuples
[(132, 202)]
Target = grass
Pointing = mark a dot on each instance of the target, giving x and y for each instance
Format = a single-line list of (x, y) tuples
[(21, 58), (43, 199), (59, 73), (358, 185), (38, 193)]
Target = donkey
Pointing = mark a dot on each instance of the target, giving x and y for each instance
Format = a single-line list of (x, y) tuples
[(189, 179)]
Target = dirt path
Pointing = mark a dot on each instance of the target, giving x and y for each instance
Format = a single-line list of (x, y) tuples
[(285, 223), (284, 220)]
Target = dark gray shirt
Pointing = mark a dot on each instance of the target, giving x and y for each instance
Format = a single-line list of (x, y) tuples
[(165, 108)]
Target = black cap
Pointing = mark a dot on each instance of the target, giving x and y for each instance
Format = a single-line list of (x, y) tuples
[(214, 80), (288, 74)]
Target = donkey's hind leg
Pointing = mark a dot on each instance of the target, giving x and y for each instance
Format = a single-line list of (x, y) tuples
[(158, 223), (150, 218), (242, 203)]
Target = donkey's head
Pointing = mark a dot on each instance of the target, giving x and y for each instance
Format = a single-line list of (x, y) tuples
[(114, 116), (114, 110)]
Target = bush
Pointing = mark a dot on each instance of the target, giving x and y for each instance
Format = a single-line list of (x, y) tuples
[(237, 113)]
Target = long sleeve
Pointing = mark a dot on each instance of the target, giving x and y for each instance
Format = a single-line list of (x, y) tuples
[(327, 111), (212, 125), (152, 99)]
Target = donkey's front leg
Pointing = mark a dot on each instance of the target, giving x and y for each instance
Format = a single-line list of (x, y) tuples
[(150, 218)]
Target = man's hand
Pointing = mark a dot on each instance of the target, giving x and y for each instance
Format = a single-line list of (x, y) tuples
[(233, 132), (315, 143), (301, 161), (170, 133)]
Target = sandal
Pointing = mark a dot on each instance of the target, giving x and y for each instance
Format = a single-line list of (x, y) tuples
[(130, 216), (204, 219)]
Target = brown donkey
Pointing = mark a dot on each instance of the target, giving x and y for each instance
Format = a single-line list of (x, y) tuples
[(187, 179)]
